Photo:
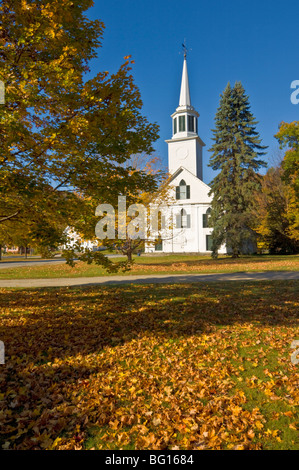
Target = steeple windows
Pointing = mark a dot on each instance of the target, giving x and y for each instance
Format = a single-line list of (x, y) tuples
[(185, 123), (190, 123), (175, 128), (182, 124)]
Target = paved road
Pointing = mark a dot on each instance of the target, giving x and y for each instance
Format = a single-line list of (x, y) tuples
[(36, 262), (151, 279), (29, 262)]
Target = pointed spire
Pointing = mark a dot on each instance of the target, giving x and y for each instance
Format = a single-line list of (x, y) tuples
[(185, 93)]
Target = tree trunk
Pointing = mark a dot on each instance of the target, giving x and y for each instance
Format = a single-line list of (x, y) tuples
[(129, 250)]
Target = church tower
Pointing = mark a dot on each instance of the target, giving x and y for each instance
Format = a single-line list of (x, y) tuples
[(185, 146)]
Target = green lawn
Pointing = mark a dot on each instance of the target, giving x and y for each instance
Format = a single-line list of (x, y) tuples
[(150, 367), (180, 264)]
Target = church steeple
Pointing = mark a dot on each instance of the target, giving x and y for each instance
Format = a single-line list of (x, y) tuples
[(185, 146), (185, 117), (185, 93)]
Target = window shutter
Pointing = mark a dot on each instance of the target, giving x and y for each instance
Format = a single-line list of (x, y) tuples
[(177, 192), (188, 220), (178, 221), (188, 192), (163, 222)]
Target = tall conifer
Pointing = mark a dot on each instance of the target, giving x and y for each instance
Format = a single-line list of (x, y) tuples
[(236, 153)]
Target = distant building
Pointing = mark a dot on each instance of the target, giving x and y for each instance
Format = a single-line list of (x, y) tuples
[(11, 249), (74, 238)]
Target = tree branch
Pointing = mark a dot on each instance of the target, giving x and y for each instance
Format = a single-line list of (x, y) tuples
[(7, 217)]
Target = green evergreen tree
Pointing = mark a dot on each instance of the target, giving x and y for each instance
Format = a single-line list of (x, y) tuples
[(236, 152)]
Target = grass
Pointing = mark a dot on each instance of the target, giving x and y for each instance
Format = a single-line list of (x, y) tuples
[(168, 264), (150, 367)]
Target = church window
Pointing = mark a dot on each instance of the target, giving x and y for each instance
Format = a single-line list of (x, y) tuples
[(175, 126), (183, 190), (183, 220), (161, 221), (182, 124), (191, 123), (205, 218)]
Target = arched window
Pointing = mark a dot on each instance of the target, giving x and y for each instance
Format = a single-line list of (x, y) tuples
[(205, 218), (161, 221), (183, 219), (183, 190)]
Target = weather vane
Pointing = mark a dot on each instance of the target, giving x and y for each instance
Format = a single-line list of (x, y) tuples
[(185, 50)]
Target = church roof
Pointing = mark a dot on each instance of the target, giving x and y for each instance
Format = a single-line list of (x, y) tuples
[(199, 190), (183, 169)]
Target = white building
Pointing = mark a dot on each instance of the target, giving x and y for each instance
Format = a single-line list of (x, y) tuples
[(73, 238), (184, 224)]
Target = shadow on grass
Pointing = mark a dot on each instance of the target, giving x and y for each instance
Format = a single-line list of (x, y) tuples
[(83, 320), (69, 324), (248, 260)]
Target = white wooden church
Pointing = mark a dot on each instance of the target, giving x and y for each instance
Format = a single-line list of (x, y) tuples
[(189, 230)]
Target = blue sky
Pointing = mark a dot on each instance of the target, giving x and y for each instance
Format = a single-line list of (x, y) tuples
[(255, 42)]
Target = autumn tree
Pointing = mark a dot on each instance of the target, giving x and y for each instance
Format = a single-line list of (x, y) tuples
[(131, 217), (42, 224), (273, 214), (236, 156), (288, 137), (57, 128)]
